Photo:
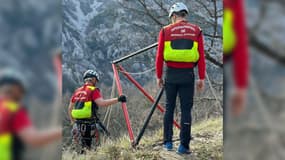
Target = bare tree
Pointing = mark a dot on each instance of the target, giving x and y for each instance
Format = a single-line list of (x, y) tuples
[(157, 11), (274, 53)]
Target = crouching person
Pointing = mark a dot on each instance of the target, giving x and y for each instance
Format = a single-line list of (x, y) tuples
[(83, 109)]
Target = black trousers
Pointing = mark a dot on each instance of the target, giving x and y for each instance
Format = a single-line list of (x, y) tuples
[(179, 82)]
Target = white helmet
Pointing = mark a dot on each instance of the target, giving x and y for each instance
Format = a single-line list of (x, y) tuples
[(13, 77), (177, 7), (91, 74)]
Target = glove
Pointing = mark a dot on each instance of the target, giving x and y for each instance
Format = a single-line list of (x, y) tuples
[(122, 98)]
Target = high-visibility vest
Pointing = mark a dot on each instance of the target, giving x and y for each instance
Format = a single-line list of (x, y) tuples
[(181, 42), (229, 35), (84, 104), (7, 111)]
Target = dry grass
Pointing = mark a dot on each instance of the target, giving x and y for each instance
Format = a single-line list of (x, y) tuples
[(207, 144)]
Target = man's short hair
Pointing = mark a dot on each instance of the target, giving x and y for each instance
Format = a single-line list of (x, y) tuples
[(182, 14)]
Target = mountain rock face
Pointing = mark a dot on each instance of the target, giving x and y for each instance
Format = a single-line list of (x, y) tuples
[(97, 32)]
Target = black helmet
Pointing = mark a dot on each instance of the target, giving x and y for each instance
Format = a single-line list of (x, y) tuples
[(91, 74), (12, 77)]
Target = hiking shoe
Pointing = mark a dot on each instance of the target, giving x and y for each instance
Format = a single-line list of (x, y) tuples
[(168, 146), (182, 150)]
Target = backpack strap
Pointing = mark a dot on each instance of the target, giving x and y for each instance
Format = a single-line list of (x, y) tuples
[(94, 105)]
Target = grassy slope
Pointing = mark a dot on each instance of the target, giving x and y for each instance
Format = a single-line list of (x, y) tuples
[(207, 144)]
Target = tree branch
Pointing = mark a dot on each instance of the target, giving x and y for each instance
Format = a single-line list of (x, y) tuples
[(266, 50), (213, 60)]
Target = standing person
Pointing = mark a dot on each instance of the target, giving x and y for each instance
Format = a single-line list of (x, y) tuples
[(180, 46), (84, 105), (236, 51), (16, 128)]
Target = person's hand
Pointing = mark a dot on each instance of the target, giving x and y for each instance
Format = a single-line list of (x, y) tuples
[(238, 101), (160, 82), (200, 85), (122, 98)]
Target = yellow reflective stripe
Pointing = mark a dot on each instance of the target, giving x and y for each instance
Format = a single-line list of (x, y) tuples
[(85, 112), (13, 107), (181, 55), (5, 146), (92, 88), (229, 35)]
